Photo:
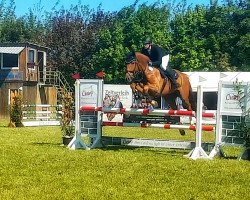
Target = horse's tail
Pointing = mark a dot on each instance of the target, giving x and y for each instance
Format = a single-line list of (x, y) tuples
[(191, 98)]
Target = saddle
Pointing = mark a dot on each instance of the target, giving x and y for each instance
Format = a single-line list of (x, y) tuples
[(166, 74)]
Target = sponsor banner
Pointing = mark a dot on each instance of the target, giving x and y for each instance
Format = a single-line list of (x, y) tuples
[(157, 143), (116, 96), (88, 94), (230, 99)]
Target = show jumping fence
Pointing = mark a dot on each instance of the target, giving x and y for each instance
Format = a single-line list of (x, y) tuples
[(89, 123)]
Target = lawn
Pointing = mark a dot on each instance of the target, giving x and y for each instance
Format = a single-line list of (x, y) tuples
[(35, 165)]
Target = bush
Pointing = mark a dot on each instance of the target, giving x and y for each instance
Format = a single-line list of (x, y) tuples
[(67, 126), (16, 112), (244, 125)]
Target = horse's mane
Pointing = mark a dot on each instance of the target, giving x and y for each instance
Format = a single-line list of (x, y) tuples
[(141, 58)]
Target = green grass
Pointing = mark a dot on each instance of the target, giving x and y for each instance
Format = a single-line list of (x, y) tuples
[(34, 165), (155, 133)]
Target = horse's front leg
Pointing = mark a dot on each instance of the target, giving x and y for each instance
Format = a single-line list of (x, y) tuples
[(137, 87), (149, 94), (137, 90), (152, 89)]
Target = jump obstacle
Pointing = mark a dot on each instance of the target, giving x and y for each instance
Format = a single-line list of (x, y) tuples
[(147, 111), (89, 111)]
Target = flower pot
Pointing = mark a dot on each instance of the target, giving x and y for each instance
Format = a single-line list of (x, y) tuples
[(67, 139)]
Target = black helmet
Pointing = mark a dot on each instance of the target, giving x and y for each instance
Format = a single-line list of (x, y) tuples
[(147, 41)]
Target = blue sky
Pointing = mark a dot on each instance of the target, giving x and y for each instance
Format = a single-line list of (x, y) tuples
[(108, 5)]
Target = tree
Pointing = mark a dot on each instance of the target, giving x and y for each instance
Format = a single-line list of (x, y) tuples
[(189, 52), (128, 30), (72, 37), (200, 38)]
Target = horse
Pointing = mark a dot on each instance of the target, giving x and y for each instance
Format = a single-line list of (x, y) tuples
[(149, 82)]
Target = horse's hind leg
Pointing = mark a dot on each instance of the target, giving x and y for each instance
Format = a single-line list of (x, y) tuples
[(188, 101), (185, 96), (171, 100)]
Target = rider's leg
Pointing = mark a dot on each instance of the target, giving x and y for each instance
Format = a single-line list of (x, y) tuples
[(164, 62), (170, 73)]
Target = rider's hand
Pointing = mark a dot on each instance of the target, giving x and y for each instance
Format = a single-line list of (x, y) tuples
[(150, 66)]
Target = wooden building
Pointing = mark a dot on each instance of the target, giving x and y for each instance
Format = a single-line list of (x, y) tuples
[(23, 69)]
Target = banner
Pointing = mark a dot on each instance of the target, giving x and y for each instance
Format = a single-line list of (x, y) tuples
[(116, 96)]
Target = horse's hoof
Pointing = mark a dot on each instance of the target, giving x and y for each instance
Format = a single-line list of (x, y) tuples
[(154, 103)]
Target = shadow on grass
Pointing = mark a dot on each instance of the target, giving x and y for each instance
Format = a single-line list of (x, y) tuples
[(230, 157), (163, 151), (118, 148)]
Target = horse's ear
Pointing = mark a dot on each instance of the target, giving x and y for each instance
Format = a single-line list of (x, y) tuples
[(130, 57)]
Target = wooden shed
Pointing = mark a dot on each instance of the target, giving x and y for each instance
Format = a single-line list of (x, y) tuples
[(24, 70)]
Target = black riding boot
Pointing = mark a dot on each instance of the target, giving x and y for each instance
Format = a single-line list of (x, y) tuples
[(170, 73)]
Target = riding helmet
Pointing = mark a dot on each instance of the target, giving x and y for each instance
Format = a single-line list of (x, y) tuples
[(147, 41)]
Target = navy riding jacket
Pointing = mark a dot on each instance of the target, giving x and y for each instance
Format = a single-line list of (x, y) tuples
[(155, 54)]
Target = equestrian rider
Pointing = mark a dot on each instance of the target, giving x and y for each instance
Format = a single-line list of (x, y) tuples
[(159, 58)]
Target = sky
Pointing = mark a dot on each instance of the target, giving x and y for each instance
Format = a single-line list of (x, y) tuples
[(108, 5)]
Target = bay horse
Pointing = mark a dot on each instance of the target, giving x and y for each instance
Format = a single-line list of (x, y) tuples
[(150, 82)]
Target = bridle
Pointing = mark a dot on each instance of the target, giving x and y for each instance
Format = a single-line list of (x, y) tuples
[(137, 75)]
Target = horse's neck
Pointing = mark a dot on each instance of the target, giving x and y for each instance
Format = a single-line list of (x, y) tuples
[(144, 66), (143, 60)]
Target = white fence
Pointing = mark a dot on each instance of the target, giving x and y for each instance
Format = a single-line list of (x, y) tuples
[(42, 115)]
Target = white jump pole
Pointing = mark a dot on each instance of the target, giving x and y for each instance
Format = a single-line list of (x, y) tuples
[(76, 142), (217, 148), (198, 151)]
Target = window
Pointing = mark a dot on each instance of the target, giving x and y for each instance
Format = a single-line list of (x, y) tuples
[(8, 60), (31, 56), (31, 59)]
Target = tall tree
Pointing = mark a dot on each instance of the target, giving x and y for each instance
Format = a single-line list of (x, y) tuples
[(188, 41), (73, 36), (130, 27)]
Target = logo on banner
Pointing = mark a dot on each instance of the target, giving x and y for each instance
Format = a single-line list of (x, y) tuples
[(88, 94), (232, 97), (88, 91)]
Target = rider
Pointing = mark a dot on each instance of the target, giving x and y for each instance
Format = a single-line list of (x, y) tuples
[(159, 58)]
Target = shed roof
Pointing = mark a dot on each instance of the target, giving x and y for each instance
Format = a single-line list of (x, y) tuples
[(25, 45), (11, 50)]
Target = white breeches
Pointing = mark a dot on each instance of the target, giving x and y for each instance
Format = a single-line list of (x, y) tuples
[(164, 61)]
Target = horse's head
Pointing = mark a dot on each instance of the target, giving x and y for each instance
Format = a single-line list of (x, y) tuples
[(136, 64)]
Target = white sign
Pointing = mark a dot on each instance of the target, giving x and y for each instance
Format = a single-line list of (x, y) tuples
[(230, 99), (88, 94)]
